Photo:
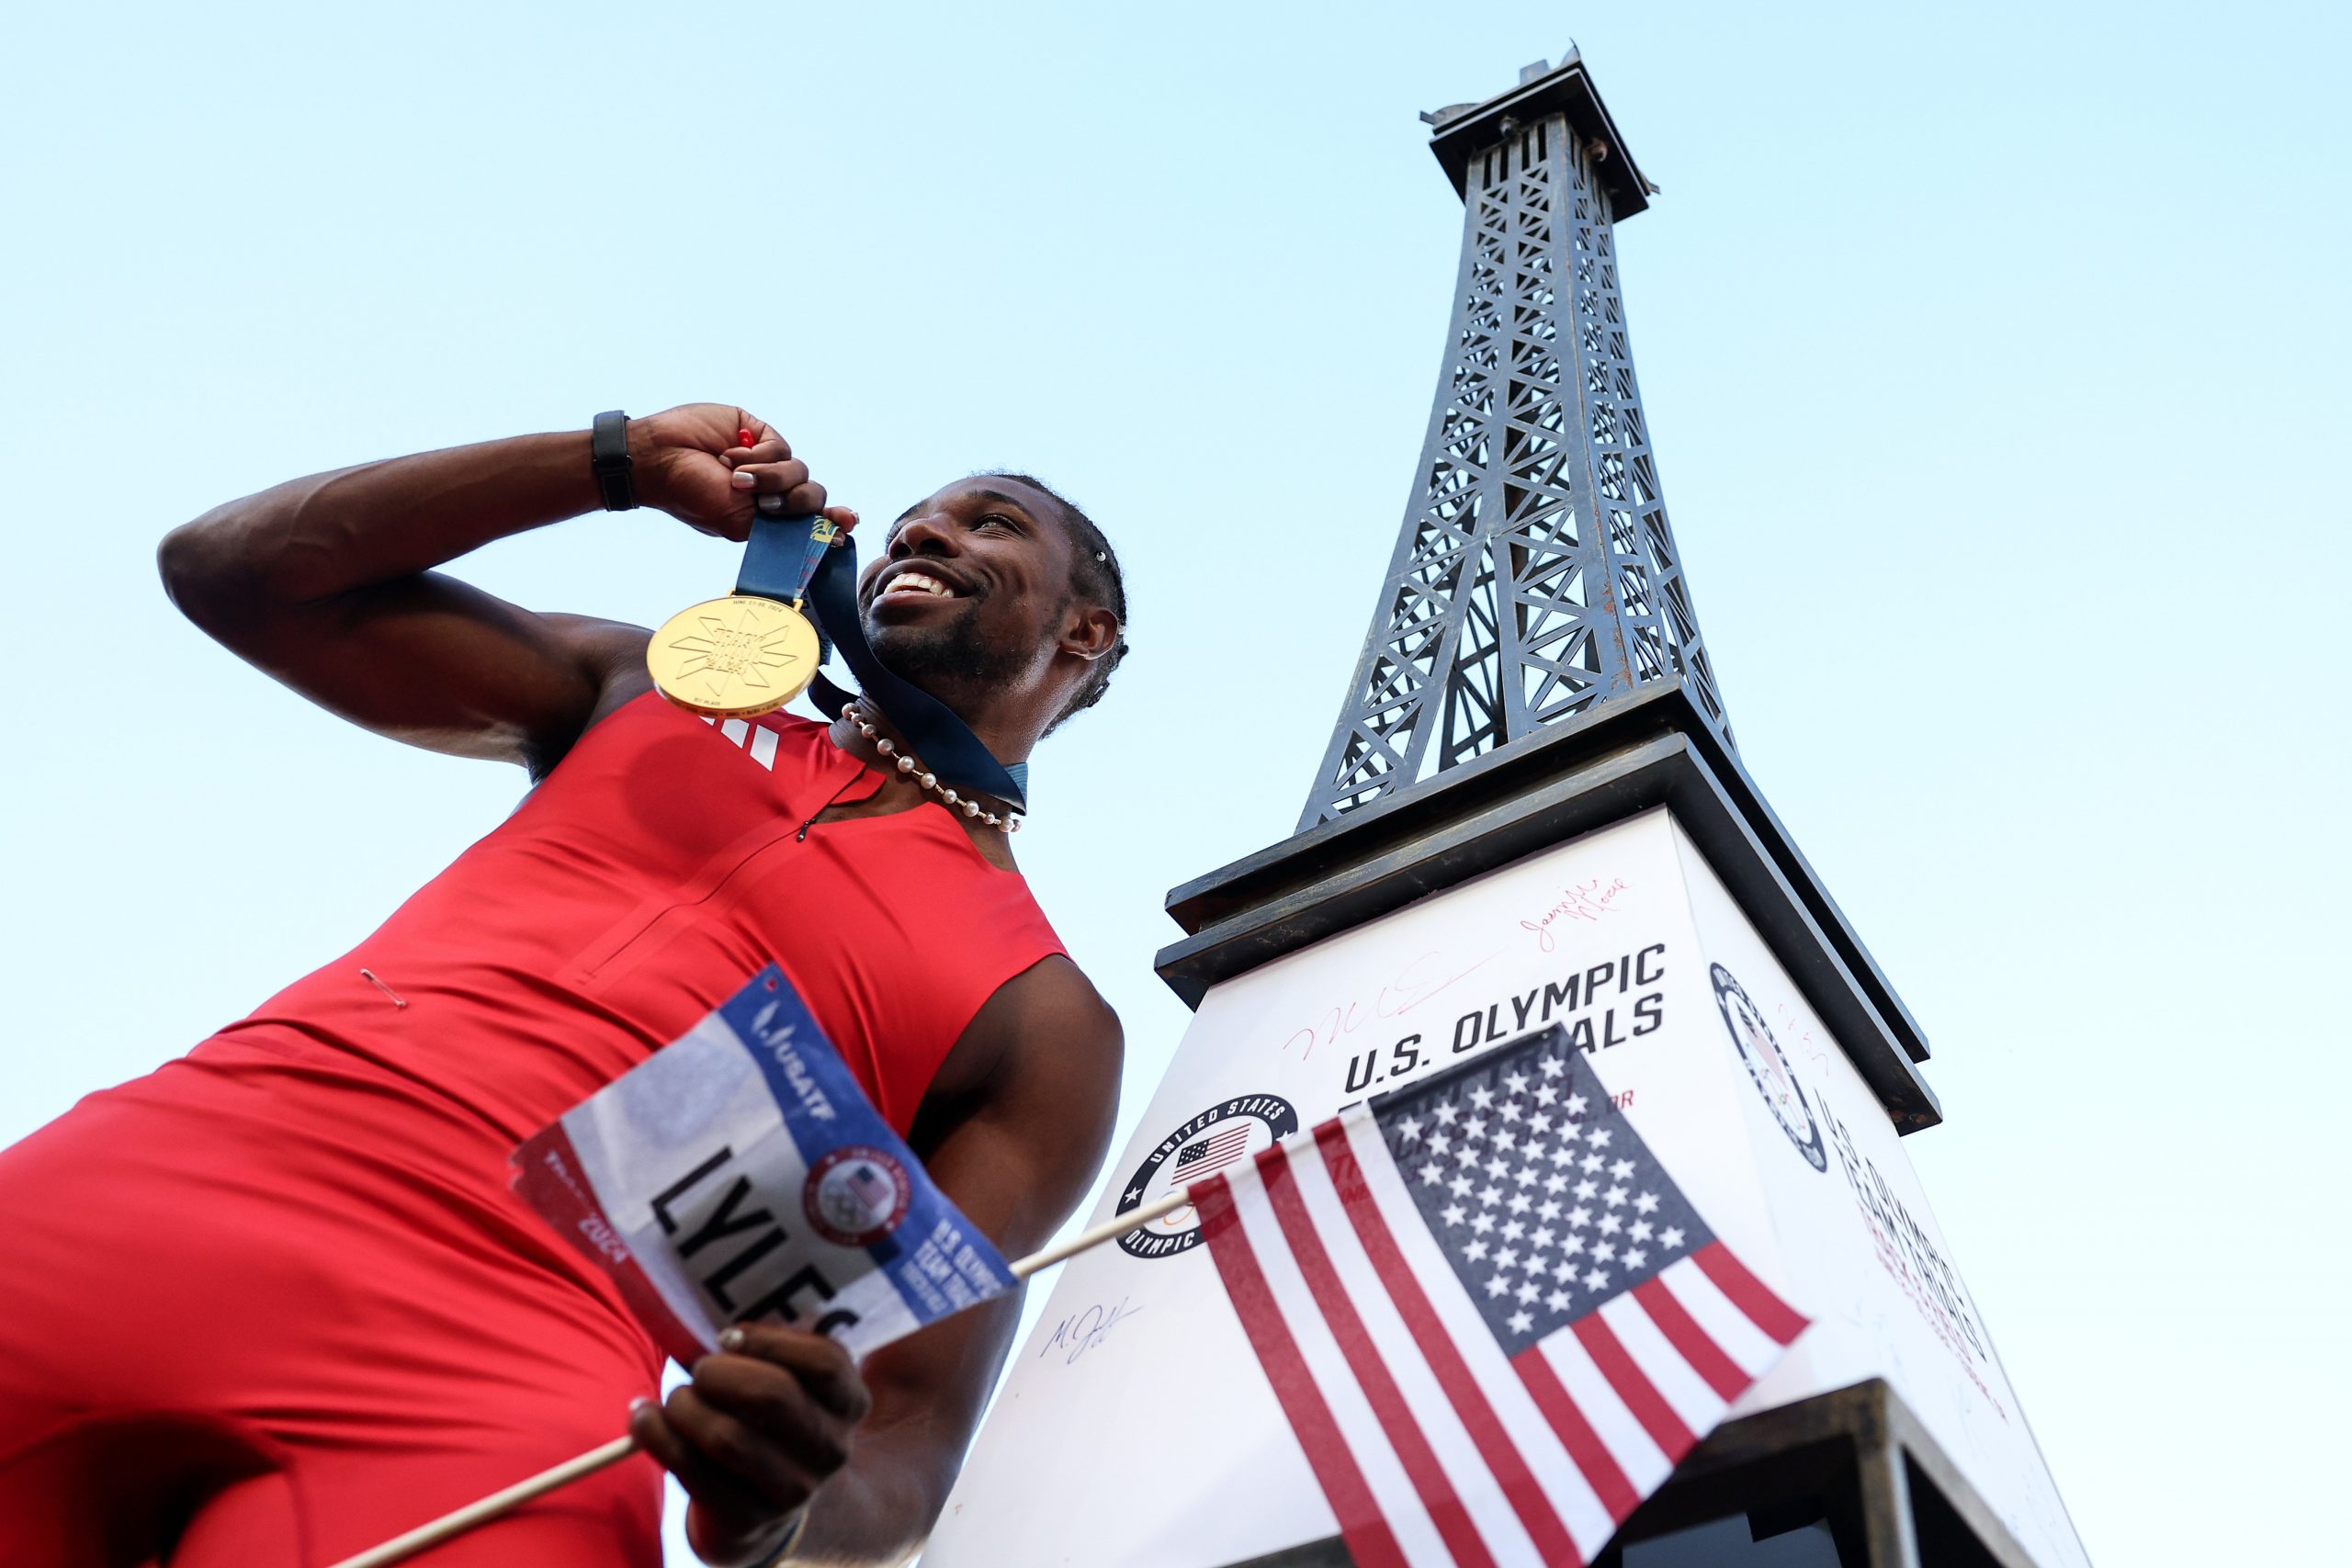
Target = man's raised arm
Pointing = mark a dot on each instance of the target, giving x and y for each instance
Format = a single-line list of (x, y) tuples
[(327, 583)]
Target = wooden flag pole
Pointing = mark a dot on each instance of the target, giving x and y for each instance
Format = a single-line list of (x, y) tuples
[(482, 1509), (402, 1547), (1116, 1226)]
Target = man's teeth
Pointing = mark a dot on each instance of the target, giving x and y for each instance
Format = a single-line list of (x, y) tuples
[(910, 582)]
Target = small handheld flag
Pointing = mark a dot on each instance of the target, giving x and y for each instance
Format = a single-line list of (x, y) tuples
[(740, 1174), (1495, 1322)]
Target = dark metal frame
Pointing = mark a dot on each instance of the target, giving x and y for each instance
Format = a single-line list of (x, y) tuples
[(1535, 573)]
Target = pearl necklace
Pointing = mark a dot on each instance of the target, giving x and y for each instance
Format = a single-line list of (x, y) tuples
[(924, 776)]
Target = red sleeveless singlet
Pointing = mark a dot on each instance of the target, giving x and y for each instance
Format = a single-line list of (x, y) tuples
[(650, 875), (280, 1284)]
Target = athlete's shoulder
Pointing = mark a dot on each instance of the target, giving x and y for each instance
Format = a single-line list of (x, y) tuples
[(1053, 1005), (1044, 1053)]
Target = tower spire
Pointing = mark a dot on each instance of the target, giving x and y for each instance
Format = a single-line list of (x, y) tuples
[(1535, 573)]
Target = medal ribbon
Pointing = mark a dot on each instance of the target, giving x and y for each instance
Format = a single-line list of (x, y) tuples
[(783, 555), (799, 554)]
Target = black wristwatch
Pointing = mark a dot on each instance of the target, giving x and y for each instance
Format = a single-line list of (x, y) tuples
[(608, 459)]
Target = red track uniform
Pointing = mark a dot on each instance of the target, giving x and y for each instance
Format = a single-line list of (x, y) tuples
[(277, 1290)]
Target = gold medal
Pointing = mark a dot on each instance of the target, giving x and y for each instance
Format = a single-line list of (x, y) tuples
[(733, 657)]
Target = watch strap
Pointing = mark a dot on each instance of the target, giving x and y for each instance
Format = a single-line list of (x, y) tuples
[(608, 458)]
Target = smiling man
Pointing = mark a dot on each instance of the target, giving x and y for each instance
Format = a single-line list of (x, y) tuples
[(291, 1308)]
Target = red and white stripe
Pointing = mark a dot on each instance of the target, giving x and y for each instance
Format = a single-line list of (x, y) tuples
[(1433, 1446)]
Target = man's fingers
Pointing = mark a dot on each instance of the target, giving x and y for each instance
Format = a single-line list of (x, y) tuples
[(798, 502), (775, 1405), (721, 1461), (783, 489), (775, 451), (844, 517), (778, 482), (702, 1477), (768, 445), (817, 1361), (771, 479), (653, 1435)]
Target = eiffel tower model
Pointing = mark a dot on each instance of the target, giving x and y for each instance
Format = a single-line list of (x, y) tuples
[(1531, 781), (1535, 575)]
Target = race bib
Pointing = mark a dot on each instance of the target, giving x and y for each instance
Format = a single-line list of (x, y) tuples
[(740, 1174)]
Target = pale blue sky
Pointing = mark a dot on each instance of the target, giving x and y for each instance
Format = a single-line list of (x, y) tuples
[(1993, 357)]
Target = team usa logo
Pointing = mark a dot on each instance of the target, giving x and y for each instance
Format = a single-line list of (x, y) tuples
[(1223, 1136), (1768, 1069), (855, 1195)]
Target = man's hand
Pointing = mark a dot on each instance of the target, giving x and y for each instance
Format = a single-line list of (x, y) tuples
[(691, 463), (763, 1424)]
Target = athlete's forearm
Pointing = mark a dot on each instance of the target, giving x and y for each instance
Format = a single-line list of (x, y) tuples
[(313, 539), (877, 1509)]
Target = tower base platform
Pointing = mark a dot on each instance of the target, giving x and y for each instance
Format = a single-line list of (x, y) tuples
[(1848, 1479)]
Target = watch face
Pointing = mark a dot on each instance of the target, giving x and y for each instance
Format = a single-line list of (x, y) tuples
[(1768, 1069)]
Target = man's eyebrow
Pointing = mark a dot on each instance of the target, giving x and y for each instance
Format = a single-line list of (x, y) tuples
[(1008, 500), (1004, 497)]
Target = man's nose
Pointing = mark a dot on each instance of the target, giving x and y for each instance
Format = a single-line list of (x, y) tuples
[(927, 535)]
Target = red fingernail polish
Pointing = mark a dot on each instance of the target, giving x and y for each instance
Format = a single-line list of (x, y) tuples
[(743, 437)]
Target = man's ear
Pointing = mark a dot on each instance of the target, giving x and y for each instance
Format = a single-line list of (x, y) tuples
[(1091, 632)]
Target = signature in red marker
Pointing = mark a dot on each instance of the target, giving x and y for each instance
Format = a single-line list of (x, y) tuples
[(1586, 901), (1416, 983)]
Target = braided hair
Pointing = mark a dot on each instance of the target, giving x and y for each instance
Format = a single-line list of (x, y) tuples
[(1093, 578)]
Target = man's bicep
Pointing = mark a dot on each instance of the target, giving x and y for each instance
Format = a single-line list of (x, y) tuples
[(1022, 1149), (441, 664), (1017, 1161)]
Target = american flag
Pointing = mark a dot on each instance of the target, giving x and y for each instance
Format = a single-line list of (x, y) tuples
[(871, 1187), (1194, 1162), (1493, 1320)]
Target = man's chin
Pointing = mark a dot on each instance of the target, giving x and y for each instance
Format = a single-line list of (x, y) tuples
[(904, 616), (908, 650), (931, 659)]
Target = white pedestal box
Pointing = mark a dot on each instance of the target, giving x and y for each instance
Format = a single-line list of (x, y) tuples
[(1135, 1428)]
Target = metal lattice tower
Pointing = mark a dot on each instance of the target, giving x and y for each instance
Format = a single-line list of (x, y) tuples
[(1535, 573)]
